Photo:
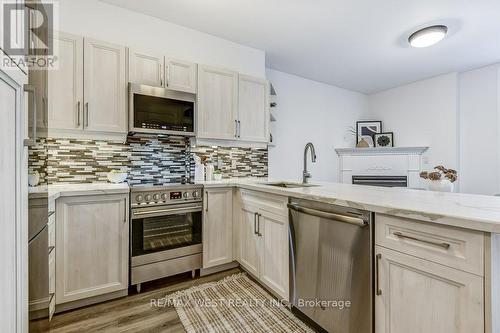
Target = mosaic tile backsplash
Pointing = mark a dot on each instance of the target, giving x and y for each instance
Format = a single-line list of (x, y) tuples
[(146, 159)]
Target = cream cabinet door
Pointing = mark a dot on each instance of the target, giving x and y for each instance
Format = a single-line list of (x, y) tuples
[(419, 296), (105, 87), (253, 109), (145, 68), (13, 206), (218, 227), (249, 239), (65, 85), (217, 103), (273, 231), (92, 246), (38, 78), (180, 75)]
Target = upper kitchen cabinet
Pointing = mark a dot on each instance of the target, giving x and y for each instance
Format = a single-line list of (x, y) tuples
[(145, 68), (180, 75), (160, 71), (253, 109), (217, 103), (65, 84), (87, 93), (105, 87)]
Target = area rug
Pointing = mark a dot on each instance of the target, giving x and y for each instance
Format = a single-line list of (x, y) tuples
[(234, 304)]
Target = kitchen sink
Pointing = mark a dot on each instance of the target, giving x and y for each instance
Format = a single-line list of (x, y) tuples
[(289, 185)]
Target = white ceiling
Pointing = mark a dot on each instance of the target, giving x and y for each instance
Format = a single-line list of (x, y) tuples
[(355, 44)]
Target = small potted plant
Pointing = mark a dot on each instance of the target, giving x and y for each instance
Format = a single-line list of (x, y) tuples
[(441, 179), (217, 175)]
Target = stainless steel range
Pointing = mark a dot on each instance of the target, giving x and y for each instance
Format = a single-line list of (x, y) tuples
[(166, 225)]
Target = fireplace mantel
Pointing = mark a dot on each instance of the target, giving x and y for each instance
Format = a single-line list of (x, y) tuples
[(382, 151), (392, 161)]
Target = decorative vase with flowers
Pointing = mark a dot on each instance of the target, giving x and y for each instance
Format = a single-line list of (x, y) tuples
[(441, 179)]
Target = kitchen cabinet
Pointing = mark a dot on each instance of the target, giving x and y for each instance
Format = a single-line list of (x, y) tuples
[(14, 203), (217, 227), (264, 240), (217, 103), (88, 93), (65, 85), (92, 237), (39, 80), (145, 68), (105, 87), (253, 109), (180, 75), (161, 71), (249, 239), (417, 295)]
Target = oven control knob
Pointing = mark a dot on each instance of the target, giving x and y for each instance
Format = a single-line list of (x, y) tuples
[(186, 195), (148, 197), (156, 197), (195, 194), (164, 196), (139, 198)]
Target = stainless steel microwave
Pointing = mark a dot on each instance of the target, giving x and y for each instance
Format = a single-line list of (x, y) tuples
[(157, 110)]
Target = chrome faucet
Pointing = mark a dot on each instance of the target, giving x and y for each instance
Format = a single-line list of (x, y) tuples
[(306, 175)]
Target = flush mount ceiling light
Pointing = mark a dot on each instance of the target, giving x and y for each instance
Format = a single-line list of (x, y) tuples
[(428, 36)]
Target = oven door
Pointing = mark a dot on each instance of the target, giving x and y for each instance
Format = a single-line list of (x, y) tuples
[(161, 111), (159, 230)]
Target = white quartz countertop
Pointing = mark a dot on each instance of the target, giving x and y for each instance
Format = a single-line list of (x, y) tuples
[(61, 190), (476, 212)]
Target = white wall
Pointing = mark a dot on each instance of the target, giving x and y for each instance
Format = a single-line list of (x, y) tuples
[(315, 112), (423, 113), (98, 20), (480, 130)]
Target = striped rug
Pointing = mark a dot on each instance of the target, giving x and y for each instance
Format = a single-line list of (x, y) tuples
[(234, 304)]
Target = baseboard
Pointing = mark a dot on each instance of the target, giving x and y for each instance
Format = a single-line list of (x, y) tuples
[(91, 300), (217, 269)]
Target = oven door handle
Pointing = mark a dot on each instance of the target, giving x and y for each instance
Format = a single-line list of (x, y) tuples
[(169, 211)]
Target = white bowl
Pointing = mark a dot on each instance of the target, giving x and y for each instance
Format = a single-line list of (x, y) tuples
[(443, 185), (117, 177), (33, 179)]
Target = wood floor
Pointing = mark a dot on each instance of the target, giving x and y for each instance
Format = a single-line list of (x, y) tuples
[(133, 313)]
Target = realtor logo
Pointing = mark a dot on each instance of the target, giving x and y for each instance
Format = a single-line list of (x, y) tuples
[(28, 28)]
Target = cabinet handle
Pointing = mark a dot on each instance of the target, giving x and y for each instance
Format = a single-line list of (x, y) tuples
[(378, 258), (45, 112), (255, 223), (86, 118), (206, 207), (167, 75), (30, 89), (78, 114), (161, 75), (445, 246), (236, 128), (239, 129), (258, 224)]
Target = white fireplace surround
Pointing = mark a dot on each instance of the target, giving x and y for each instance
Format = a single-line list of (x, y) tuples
[(392, 161)]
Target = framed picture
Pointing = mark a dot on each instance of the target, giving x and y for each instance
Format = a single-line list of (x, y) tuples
[(365, 130), (384, 139)]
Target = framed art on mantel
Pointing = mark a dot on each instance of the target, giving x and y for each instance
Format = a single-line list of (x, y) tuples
[(384, 139), (365, 130)]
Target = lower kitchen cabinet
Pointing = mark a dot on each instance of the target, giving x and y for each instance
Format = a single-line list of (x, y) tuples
[(416, 295), (249, 238), (92, 237), (264, 240), (217, 227)]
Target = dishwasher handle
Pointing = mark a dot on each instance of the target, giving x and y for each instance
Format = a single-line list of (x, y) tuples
[(327, 215)]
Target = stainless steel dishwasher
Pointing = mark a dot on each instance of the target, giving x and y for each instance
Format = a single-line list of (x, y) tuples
[(331, 280)]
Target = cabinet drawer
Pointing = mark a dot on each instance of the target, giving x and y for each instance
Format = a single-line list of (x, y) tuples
[(52, 271), (271, 203), (457, 248), (52, 230)]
